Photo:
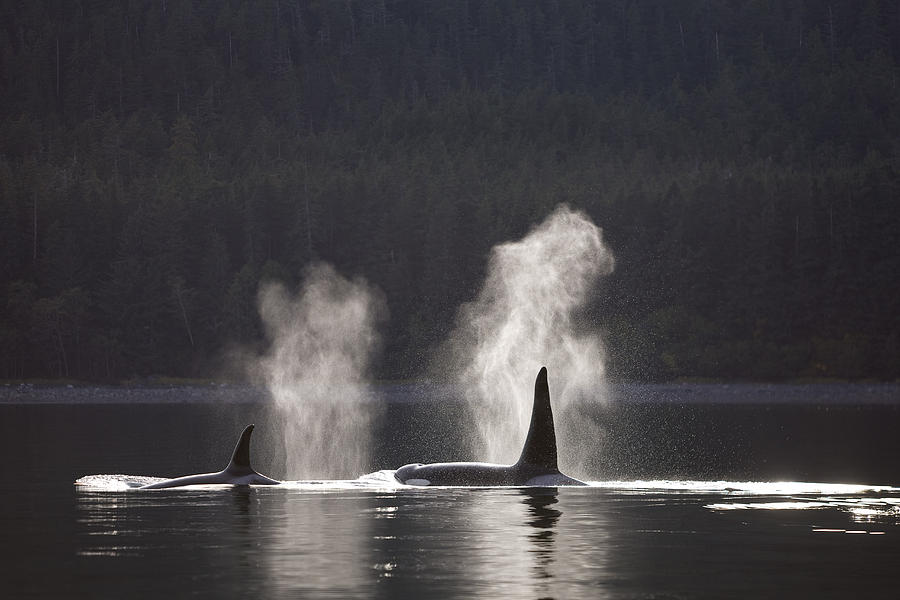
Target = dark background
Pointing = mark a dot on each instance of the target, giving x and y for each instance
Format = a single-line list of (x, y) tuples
[(158, 159)]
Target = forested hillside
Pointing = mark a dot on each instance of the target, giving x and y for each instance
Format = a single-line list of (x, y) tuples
[(158, 158)]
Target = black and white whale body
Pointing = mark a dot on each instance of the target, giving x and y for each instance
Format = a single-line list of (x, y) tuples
[(238, 471), (537, 466)]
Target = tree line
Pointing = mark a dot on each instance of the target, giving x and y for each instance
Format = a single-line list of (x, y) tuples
[(160, 158)]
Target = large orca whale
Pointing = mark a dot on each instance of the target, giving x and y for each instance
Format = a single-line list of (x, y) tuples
[(238, 471), (537, 465)]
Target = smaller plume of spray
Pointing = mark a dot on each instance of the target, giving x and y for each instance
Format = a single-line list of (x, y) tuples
[(525, 317), (321, 344)]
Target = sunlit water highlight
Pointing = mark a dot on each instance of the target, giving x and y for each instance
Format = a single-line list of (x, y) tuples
[(863, 502), (374, 537)]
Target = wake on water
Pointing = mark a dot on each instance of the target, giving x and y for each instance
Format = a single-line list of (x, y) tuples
[(380, 480), (863, 502)]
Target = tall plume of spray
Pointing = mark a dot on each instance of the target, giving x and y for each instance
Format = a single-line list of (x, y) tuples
[(321, 343), (525, 317)]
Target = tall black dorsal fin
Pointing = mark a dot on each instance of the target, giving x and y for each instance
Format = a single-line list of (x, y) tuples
[(540, 445), (240, 459)]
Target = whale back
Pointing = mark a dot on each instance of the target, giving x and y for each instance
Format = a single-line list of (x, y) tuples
[(540, 444), (238, 471)]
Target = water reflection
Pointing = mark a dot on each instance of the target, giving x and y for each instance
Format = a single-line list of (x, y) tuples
[(110, 529), (862, 509), (245, 518), (348, 541), (240, 497), (489, 543), (317, 543), (208, 536), (544, 519), (112, 525)]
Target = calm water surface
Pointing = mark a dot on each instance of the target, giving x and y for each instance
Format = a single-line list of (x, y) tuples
[(371, 538)]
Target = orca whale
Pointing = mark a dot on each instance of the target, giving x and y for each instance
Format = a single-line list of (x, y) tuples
[(238, 471), (537, 465)]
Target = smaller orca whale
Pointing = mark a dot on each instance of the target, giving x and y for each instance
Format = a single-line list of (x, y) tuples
[(537, 465), (238, 471)]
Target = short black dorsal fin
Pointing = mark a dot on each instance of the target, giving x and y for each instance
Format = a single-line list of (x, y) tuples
[(240, 459), (540, 445)]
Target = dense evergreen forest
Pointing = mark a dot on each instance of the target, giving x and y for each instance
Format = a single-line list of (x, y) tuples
[(159, 158)]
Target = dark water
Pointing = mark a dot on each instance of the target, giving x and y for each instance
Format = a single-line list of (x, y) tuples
[(705, 536)]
